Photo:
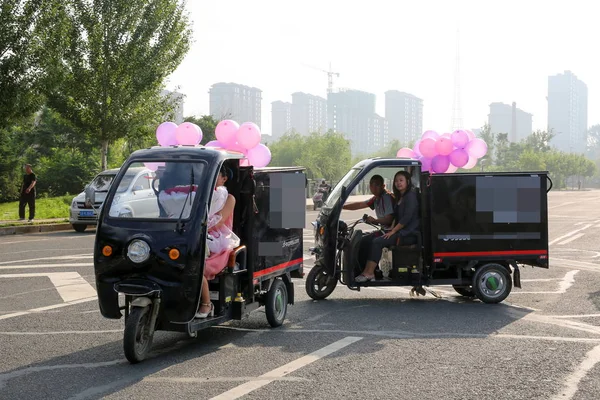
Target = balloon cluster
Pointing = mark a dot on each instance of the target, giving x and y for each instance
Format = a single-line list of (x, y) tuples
[(230, 135), (446, 153)]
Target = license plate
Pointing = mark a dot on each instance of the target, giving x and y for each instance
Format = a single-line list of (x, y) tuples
[(86, 213)]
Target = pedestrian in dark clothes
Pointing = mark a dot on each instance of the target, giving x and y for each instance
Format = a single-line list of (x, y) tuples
[(27, 194)]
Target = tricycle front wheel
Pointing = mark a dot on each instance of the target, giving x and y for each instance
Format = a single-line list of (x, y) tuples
[(320, 283), (137, 338)]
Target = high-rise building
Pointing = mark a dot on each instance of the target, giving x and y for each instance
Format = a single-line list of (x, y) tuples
[(567, 112), (309, 113), (404, 113), (176, 99), (237, 102), (281, 114), (352, 113), (505, 118)]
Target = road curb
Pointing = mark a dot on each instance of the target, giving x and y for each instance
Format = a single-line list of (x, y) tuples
[(15, 230)]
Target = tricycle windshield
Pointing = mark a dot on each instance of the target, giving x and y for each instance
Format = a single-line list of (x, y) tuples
[(337, 191), (158, 190)]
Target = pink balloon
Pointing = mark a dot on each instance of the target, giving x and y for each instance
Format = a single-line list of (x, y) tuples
[(165, 134), (477, 148), (416, 148), (215, 143), (459, 158), (237, 147), (188, 134), (244, 162), (431, 135), (259, 156), (470, 164), (460, 139), (248, 135), (226, 131), (425, 163), (406, 152), (444, 146), (153, 166), (440, 164), (470, 134), (427, 148), (451, 169)]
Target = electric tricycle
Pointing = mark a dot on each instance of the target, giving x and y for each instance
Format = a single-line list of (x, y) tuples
[(149, 257), (475, 230)]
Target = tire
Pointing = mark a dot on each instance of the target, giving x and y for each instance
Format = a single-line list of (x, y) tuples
[(492, 283), (79, 227), (276, 304), (465, 291), (137, 338), (320, 284)]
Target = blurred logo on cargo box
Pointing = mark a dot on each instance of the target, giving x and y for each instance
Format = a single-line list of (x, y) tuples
[(454, 238), (291, 242)]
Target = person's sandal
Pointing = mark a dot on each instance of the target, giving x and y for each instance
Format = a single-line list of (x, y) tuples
[(210, 313), (361, 278)]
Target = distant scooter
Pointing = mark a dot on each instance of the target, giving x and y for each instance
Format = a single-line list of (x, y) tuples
[(320, 197)]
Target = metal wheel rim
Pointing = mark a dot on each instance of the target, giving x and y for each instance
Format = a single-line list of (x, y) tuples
[(492, 284), (279, 304), (321, 281)]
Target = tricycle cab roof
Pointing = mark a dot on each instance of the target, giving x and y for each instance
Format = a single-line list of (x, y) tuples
[(370, 163), (210, 154)]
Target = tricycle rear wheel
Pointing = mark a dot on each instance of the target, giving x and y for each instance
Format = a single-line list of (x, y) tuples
[(492, 283), (276, 304), (320, 283), (137, 338)]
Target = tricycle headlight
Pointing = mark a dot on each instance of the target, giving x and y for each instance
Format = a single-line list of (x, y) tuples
[(138, 251)]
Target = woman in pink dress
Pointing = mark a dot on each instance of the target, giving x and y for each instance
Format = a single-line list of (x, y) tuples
[(216, 262)]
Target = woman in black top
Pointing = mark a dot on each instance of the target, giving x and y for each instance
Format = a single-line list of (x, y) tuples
[(406, 224)]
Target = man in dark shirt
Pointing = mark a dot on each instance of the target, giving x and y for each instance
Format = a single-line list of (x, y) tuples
[(27, 194)]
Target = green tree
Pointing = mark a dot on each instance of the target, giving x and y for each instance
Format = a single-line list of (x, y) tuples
[(26, 27), (539, 141), (593, 142), (115, 59)]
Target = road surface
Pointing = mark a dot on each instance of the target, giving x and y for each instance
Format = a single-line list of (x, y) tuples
[(543, 342)]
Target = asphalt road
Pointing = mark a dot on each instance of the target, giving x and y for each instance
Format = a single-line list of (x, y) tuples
[(543, 342)]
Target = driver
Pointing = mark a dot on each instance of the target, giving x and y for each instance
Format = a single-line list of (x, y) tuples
[(383, 204), (407, 223)]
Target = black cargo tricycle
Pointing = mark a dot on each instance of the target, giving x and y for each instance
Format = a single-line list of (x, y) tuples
[(149, 255), (475, 231)]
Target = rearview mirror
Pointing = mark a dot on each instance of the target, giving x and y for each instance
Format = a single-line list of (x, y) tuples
[(90, 196)]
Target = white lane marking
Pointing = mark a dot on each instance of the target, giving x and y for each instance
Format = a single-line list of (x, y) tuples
[(561, 205), (69, 285), (576, 316), (563, 285), (572, 382), (417, 335), (24, 241), (46, 239), (30, 370), (558, 239), (288, 368), (41, 266), (52, 307), (223, 379), (71, 257), (572, 238), (60, 333)]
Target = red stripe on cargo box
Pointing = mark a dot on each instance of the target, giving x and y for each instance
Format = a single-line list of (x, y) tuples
[(493, 253), (278, 267)]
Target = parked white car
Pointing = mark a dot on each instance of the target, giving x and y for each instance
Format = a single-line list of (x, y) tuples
[(135, 188)]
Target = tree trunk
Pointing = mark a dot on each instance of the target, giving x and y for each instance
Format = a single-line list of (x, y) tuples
[(104, 155)]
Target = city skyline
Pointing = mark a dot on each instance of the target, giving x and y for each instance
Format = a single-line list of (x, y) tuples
[(505, 56)]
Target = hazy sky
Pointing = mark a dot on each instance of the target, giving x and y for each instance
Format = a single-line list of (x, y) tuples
[(508, 49)]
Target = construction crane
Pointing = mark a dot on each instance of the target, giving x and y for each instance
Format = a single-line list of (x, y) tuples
[(330, 75)]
